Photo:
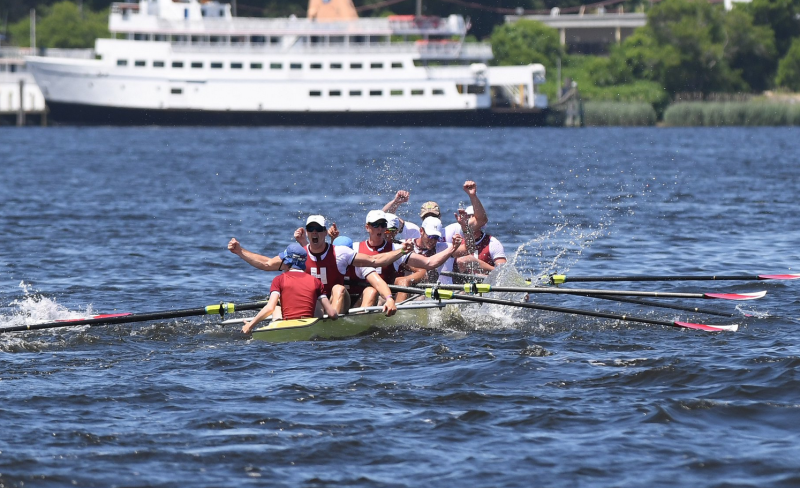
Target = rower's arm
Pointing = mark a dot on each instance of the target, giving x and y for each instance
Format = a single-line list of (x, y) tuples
[(419, 261), (480, 213), (255, 260), (375, 280), (264, 313), (333, 314), (380, 260), (301, 237), (400, 197)]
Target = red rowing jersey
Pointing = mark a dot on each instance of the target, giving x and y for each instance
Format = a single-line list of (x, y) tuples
[(388, 273), (299, 293), (325, 268)]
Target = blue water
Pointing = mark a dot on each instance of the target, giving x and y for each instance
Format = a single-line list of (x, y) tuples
[(103, 220)]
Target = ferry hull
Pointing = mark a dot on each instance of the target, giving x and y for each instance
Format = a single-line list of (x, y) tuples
[(83, 114)]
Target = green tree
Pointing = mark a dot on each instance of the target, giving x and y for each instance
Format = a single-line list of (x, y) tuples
[(750, 49), (789, 68), (525, 42), (63, 26), (781, 16)]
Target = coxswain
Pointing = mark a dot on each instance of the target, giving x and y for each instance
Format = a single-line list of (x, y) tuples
[(298, 291)]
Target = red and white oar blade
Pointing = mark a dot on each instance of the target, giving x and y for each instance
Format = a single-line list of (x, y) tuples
[(780, 277), (735, 296), (709, 328), (102, 316)]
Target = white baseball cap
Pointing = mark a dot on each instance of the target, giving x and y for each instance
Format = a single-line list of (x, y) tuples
[(432, 227), (376, 215), (470, 210), (316, 219), (392, 221)]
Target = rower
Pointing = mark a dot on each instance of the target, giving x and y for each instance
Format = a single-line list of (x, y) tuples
[(484, 255), (298, 291), (376, 225), (429, 243)]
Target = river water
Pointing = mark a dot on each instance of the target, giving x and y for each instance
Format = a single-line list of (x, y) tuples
[(104, 220)]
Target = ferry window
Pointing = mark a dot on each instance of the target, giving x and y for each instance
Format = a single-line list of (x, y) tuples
[(158, 64), (258, 39), (160, 37), (122, 62), (236, 65), (476, 89), (140, 37), (374, 39), (197, 64), (176, 91), (139, 63), (355, 65), (438, 91), (375, 93), (315, 93), (317, 40), (335, 93), (256, 66), (296, 66), (336, 40), (275, 66), (177, 64), (357, 39), (355, 93), (216, 65), (238, 39), (397, 65), (395, 93), (417, 92), (216, 40), (316, 65), (336, 65), (376, 65), (275, 40)]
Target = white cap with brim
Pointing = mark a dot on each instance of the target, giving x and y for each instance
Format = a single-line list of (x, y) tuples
[(375, 216), (470, 210), (392, 221), (316, 219), (432, 227)]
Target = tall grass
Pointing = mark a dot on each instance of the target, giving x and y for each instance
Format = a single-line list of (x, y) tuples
[(618, 113), (713, 114)]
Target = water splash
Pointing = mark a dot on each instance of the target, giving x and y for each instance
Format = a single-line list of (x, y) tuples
[(34, 308)]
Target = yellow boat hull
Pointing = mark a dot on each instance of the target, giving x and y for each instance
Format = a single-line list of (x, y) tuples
[(345, 326)]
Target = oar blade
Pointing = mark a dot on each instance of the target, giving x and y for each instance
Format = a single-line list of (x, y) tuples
[(779, 277), (708, 328), (736, 296)]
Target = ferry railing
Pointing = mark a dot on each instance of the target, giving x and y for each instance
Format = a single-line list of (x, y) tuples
[(425, 50)]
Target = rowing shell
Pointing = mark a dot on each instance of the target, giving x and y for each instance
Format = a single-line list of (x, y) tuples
[(356, 322)]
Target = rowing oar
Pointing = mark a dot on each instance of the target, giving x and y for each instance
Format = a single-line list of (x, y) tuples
[(665, 305), (447, 294), (559, 279), (218, 309), (485, 288)]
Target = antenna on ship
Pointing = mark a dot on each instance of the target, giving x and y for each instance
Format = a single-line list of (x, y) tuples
[(419, 8)]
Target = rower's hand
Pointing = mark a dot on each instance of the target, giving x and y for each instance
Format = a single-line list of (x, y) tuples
[(389, 308), (408, 246), (300, 236), (457, 240), (333, 316), (401, 197), (333, 231), (470, 187), (248, 326), (234, 246)]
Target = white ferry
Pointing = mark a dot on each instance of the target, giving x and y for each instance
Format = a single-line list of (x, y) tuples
[(183, 62)]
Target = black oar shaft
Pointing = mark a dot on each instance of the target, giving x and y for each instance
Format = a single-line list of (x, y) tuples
[(568, 291), (558, 279), (663, 305), (141, 317), (548, 308)]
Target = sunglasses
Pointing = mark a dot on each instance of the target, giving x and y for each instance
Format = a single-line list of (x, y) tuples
[(378, 225), (315, 228)]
